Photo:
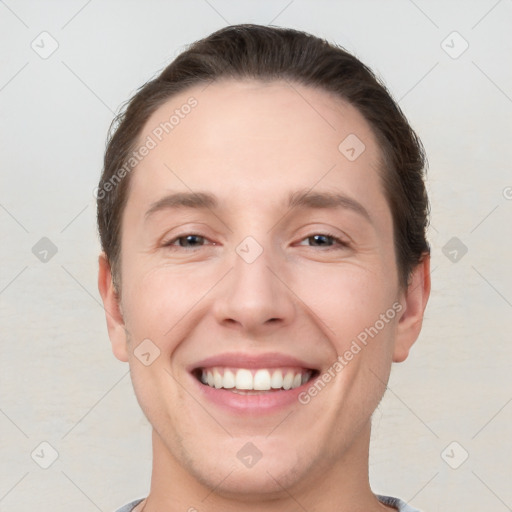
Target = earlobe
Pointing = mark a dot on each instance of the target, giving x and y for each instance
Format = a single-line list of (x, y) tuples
[(414, 302), (113, 312)]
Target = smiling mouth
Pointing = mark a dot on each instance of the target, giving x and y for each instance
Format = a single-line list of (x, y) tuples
[(254, 381)]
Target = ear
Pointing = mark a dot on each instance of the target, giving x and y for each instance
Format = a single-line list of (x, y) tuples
[(414, 302), (113, 312)]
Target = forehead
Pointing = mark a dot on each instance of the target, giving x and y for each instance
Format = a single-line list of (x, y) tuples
[(285, 113), (253, 136)]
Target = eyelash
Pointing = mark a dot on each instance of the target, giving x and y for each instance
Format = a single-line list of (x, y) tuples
[(171, 243), (335, 239)]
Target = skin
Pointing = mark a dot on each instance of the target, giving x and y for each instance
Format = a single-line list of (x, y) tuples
[(251, 144)]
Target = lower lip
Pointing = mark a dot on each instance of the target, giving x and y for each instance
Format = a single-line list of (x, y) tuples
[(263, 402)]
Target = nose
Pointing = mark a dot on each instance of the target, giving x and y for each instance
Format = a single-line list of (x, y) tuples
[(254, 297)]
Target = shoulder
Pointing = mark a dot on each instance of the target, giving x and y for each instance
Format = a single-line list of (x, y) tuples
[(130, 506), (400, 505)]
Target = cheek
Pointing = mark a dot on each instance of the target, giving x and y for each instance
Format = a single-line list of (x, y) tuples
[(347, 299), (355, 308), (158, 302)]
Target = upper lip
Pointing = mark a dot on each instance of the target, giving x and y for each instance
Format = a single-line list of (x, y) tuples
[(249, 361)]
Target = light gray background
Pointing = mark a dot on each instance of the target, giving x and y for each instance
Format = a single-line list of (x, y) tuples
[(59, 381)]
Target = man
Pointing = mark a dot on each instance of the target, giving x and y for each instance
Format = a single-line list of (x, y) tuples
[(262, 213)]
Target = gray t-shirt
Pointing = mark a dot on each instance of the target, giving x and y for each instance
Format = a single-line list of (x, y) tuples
[(387, 500)]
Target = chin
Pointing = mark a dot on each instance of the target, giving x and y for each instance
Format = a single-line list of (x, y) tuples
[(251, 469), (251, 483)]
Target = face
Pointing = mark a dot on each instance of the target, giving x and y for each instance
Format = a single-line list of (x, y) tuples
[(258, 271)]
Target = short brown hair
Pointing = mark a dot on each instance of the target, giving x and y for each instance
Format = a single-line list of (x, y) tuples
[(270, 53)]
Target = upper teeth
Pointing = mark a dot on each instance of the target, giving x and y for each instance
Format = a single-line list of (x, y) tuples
[(261, 379)]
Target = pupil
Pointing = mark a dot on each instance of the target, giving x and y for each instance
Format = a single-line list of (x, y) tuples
[(320, 239), (191, 240)]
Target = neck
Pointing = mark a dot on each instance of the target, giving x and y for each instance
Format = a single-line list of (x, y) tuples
[(341, 484)]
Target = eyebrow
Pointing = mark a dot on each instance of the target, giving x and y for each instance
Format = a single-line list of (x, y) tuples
[(327, 200), (302, 199), (197, 200)]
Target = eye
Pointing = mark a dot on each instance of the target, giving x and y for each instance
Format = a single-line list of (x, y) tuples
[(189, 241), (323, 240)]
